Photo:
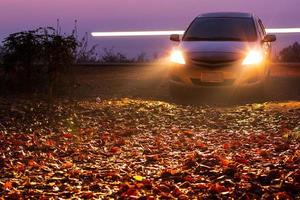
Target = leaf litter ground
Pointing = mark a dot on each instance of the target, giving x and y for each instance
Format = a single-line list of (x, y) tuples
[(137, 149)]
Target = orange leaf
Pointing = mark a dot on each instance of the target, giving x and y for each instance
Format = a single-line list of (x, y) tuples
[(68, 165), (50, 143), (188, 132), (226, 146), (20, 167), (202, 186), (88, 195), (67, 135), (263, 153), (188, 178), (172, 171), (200, 145), (139, 185), (7, 185), (32, 163), (217, 188), (241, 160), (225, 162), (115, 149), (177, 192)]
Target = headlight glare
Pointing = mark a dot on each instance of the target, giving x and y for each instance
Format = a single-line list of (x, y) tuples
[(177, 57), (253, 57)]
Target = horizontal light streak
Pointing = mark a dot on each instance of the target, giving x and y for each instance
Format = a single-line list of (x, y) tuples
[(180, 32), (283, 30), (135, 33)]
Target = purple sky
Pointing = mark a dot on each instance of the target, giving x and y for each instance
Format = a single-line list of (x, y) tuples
[(116, 15)]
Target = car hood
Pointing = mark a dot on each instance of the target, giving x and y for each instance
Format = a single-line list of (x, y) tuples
[(216, 46)]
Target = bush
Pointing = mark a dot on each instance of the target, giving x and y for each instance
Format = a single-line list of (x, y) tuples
[(30, 56), (290, 53), (58, 53), (110, 56), (1, 55), (85, 55)]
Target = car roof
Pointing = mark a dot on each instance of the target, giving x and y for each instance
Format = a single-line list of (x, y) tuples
[(227, 14)]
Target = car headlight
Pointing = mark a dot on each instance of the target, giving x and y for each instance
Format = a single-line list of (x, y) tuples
[(177, 57), (253, 57)]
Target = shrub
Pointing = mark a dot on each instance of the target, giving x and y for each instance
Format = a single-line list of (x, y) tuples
[(85, 55), (32, 55), (110, 56), (290, 53), (22, 50), (1, 55)]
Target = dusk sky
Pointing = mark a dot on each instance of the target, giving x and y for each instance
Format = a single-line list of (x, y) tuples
[(119, 15)]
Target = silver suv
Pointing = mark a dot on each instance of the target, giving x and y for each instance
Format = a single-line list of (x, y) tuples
[(224, 49)]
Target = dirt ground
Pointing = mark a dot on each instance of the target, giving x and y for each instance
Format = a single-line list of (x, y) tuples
[(150, 82)]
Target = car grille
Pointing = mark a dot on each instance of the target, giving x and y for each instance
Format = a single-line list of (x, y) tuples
[(213, 59), (226, 82), (212, 64)]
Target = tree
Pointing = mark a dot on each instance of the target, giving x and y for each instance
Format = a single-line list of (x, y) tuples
[(84, 54), (58, 53), (22, 50), (141, 58), (290, 53), (39, 49), (1, 55)]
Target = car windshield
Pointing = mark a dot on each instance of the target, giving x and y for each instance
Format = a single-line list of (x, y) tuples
[(221, 29)]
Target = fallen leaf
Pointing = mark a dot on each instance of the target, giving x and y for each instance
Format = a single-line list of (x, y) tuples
[(68, 164), (115, 149), (67, 135), (138, 178), (7, 185)]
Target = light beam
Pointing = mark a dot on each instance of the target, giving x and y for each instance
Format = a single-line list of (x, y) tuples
[(283, 30), (180, 32), (135, 33)]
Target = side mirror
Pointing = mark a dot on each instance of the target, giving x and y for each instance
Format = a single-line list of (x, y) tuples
[(269, 38), (175, 37)]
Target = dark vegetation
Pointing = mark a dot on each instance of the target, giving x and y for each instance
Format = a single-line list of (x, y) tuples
[(290, 53), (40, 61), (37, 60)]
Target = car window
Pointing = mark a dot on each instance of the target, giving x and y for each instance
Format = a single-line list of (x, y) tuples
[(222, 29)]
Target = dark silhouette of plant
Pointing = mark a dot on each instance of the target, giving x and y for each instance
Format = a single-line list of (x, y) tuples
[(86, 55), (141, 58), (38, 53), (290, 53), (2, 52), (58, 53), (22, 51), (110, 56)]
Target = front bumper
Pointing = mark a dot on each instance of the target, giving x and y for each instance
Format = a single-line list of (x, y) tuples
[(236, 76)]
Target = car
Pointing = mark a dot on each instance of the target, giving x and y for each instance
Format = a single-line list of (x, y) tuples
[(221, 50)]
